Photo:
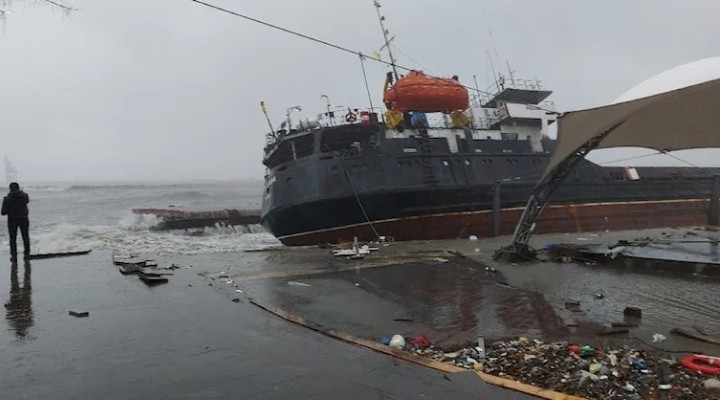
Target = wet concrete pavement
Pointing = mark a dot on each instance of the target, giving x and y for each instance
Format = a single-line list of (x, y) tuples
[(182, 340), (453, 302)]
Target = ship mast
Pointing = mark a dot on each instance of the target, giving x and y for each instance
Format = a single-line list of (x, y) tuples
[(387, 42)]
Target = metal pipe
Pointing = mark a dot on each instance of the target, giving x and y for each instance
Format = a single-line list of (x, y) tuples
[(496, 210), (714, 214)]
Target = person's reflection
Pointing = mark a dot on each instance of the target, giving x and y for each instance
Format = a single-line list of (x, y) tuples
[(19, 308)]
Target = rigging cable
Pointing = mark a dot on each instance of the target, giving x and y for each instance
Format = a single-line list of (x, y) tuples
[(357, 198), (333, 45), (367, 86), (352, 187), (411, 59)]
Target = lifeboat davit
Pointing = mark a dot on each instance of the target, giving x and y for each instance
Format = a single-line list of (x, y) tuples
[(418, 92)]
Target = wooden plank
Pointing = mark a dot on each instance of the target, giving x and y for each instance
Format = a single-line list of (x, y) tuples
[(525, 388), (57, 255)]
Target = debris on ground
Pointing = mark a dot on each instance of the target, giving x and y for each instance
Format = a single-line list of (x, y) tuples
[(658, 337), (573, 306), (79, 314), (152, 279), (633, 312), (295, 283), (356, 252), (397, 342), (580, 369), (146, 270)]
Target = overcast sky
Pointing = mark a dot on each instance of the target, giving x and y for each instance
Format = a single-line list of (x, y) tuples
[(169, 89)]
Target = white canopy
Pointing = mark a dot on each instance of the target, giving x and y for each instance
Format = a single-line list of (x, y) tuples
[(685, 118)]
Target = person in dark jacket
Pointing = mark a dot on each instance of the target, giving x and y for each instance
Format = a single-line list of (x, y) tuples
[(15, 206)]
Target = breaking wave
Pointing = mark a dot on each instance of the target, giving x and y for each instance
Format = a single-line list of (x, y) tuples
[(132, 236)]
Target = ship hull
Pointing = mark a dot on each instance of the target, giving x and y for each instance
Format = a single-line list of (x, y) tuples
[(576, 217), (419, 188)]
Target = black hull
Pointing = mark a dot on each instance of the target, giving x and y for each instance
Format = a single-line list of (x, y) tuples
[(331, 197)]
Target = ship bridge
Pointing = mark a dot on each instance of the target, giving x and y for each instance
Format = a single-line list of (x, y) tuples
[(518, 91)]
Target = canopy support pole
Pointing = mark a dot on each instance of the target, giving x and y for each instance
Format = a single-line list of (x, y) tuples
[(519, 250)]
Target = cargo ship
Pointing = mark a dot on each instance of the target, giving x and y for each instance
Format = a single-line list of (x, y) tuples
[(439, 163)]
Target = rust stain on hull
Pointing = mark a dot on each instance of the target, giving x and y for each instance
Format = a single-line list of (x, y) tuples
[(555, 219)]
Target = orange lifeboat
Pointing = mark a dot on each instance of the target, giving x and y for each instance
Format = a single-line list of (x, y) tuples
[(418, 92)]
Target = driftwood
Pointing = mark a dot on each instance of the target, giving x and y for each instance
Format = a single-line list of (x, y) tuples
[(56, 255)]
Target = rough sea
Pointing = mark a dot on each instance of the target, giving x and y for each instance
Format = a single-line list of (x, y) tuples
[(68, 217)]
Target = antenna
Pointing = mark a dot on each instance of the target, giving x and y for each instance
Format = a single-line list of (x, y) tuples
[(510, 73), (496, 77), (387, 41)]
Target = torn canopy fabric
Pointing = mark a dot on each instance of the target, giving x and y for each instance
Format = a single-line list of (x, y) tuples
[(685, 118)]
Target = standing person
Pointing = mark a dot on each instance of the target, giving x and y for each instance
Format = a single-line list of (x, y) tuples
[(15, 207)]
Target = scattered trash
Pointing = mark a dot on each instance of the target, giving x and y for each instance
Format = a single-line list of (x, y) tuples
[(420, 342), (599, 294), (229, 282), (633, 312), (473, 237), (403, 319), (238, 291), (581, 370), (79, 314), (236, 300), (657, 338), (357, 252), (385, 341), (294, 283), (441, 260), (397, 342)]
